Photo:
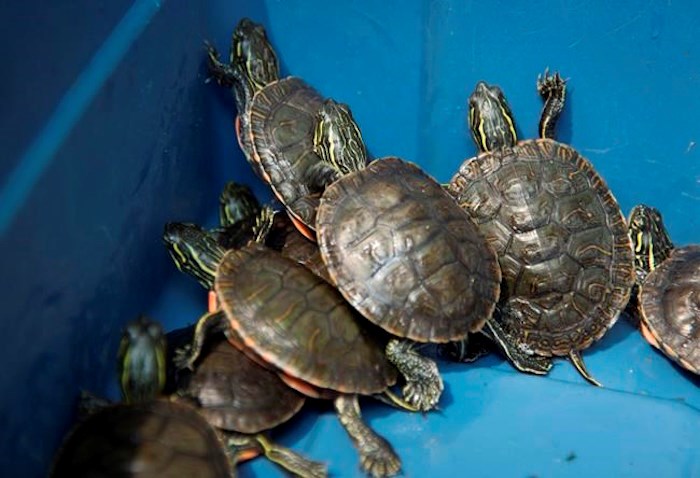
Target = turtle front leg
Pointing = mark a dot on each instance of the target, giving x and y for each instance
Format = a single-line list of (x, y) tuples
[(377, 456), (221, 72), (522, 361), (423, 381), (248, 446), (552, 89), (209, 323)]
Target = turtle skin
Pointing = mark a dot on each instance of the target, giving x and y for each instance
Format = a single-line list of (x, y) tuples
[(405, 255), (670, 306), (297, 323), (561, 239), (153, 439)]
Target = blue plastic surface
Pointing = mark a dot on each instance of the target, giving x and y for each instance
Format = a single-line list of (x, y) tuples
[(145, 140)]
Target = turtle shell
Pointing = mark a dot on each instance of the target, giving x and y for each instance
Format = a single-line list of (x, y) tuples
[(670, 306), (281, 129), (562, 242), (405, 255), (237, 394), (298, 323), (154, 439)]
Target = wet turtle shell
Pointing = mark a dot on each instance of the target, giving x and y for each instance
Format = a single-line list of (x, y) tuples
[(670, 307), (298, 323), (280, 128), (405, 255), (153, 439), (561, 239), (236, 394)]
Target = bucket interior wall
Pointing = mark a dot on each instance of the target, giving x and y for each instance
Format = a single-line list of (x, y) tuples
[(110, 130)]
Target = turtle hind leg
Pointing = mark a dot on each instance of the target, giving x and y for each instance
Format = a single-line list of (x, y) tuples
[(522, 361), (377, 456), (577, 360), (552, 89), (243, 446), (423, 381)]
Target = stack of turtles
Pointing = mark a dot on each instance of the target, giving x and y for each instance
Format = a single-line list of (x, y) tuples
[(213, 421)]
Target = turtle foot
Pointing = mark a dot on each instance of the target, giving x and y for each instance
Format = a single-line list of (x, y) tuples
[(549, 85), (219, 71), (380, 460), (184, 358), (424, 384)]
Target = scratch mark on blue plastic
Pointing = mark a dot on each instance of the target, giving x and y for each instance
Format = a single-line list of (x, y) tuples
[(36, 159)]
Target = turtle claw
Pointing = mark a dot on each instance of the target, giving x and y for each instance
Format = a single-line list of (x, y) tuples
[(184, 358), (423, 396), (380, 461), (547, 84)]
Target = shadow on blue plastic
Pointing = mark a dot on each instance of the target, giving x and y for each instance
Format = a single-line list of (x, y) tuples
[(21, 180)]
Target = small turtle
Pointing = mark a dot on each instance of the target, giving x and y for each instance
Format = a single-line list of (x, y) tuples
[(652, 245), (561, 239), (236, 396), (147, 438), (295, 323), (275, 122), (401, 252), (669, 294)]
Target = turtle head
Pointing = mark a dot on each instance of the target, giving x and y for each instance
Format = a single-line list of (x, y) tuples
[(194, 250), (142, 360), (337, 138), (237, 202), (253, 60), (490, 120), (650, 239)]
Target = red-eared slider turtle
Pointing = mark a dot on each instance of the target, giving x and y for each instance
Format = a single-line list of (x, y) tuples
[(235, 395), (292, 321), (275, 122), (669, 295), (561, 239), (401, 252), (148, 438)]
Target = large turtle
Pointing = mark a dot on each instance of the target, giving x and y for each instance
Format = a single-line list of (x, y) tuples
[(295, 323), (669, 289), (275, 122), (401, 252), (561, 239)]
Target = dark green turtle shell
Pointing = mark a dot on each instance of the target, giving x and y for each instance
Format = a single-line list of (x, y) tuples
[(670, 306), (405, 255), (236, 394), (282, 123), (562, 242), (158, 438), (298, 323)]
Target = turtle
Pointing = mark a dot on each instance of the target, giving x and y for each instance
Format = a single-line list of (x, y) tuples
[(275, 122), (237, 397), (561, 239), (290, 320), (401, 251), (652, 245), (669, 287), (145, 437)]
